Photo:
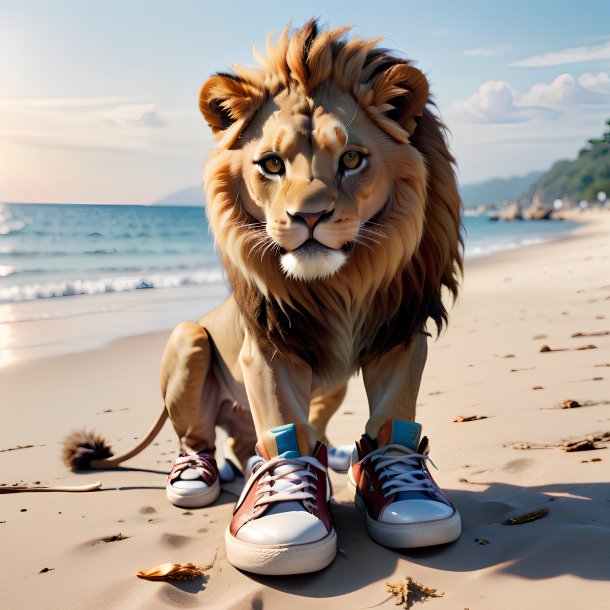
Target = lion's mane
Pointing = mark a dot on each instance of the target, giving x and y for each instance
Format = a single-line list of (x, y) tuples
[(383, 294)]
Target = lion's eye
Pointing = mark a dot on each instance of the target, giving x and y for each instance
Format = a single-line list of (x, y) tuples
[(352, 159), (272, 165)]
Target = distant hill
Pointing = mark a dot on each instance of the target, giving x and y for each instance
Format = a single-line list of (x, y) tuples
[(190, 197), (496, 190), (575, 180)]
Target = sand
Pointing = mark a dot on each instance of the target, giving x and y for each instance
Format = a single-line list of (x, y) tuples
[(489, 363)]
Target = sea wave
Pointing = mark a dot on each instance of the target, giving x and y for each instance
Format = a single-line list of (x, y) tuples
[(11, 226), (74, 287), (481, 250)]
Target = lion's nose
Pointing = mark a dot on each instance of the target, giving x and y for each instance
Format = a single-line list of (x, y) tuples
[(311, 219)]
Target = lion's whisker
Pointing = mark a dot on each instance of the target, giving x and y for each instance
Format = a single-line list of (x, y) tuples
[(375, 233), (362, 243), (269, 245)]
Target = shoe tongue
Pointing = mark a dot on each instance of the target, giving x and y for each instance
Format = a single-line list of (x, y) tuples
[(398, 432), (289, 441)]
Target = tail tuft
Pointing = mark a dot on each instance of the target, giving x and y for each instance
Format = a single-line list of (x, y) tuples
[(81, 447)]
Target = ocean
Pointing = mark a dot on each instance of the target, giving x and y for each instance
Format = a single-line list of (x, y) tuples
[(76, 276)]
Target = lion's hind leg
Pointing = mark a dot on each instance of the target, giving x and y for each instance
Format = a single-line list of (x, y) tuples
[(192, 398), (185, 371)]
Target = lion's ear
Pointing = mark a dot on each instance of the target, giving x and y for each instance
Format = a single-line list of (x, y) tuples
[(228, 102), (400, 94)]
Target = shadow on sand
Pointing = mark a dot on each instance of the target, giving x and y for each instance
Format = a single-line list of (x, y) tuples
[(573, 539)]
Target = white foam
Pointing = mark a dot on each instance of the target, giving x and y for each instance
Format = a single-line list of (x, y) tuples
[(73, 287)]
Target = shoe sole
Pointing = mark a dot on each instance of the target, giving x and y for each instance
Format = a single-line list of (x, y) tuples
[(407, 535), (193, 500), (281, 559)]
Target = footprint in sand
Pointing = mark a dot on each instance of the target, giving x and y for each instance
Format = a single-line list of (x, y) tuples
[(518, 465), (175, 541), (147, 510), (256, 604)]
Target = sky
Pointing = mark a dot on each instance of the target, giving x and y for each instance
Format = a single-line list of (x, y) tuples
[(98, 99)]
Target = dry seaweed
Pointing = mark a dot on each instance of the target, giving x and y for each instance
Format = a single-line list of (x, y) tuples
[(588, 443), (528, 517), (114, 538), (546, 348), (527, 446), (464, 418), (15, 488), (411, 592), (17, 447), (570, 404), (171, 571)]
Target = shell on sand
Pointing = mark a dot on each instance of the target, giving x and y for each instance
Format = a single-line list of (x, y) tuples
[(171, 571)]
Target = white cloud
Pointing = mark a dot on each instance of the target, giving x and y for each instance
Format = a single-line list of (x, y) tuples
[(565, 91), (598, 83), (95, 123), (97, 149), (566, 56), (502, 130), (499, 102)]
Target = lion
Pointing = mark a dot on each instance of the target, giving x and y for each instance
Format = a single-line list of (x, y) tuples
[(332, 199)]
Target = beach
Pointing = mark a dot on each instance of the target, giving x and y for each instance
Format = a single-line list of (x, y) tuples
[(490, 363)]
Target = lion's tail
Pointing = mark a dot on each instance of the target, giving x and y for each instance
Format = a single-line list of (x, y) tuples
[(84, 450)]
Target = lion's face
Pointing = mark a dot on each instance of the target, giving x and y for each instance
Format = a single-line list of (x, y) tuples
[(314, 156), (316, 171)]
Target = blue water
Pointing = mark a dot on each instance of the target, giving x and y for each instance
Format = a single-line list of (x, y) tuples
[(50, 251)]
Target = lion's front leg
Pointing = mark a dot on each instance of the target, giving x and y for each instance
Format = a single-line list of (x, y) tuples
[(279, 392), (392, 383), (322, 408)]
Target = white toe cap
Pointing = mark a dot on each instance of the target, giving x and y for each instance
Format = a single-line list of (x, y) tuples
[(294, 527), (193, 486), (416, 511)]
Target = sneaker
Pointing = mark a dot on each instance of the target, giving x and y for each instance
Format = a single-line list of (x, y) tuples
[(281, 524), (390, 481), (339, 457), (193, 481)]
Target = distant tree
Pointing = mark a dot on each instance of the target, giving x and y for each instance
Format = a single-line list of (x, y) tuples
[(605, 138)]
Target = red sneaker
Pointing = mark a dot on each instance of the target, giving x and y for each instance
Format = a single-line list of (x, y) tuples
[(390, 481), (281, 524), (193, 481)]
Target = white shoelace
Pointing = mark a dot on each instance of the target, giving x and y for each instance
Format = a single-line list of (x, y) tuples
[(401, 467), (286, 479)]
